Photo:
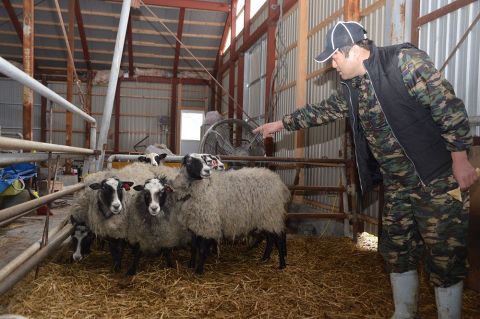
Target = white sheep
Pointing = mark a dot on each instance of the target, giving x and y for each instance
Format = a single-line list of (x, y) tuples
[(229, 205)]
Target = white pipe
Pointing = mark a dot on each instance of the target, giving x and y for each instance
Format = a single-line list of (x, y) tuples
[(18, 209), (112, 83), (13, 72), (16, 144), (27, 253), (15, 158)]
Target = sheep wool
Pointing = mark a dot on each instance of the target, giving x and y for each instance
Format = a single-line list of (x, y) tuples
[(154, 232), (232, 203)]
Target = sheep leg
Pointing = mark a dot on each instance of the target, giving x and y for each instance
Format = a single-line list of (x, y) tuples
[(167, 253), (203, 245), (116, 250), (279, 243), (136, 260), (193, 252), (268, 247), (284, 242), (258, 241)]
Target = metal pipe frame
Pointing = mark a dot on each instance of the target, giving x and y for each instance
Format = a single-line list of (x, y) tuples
[(13, 211), (15, 158), (282, 159), (27, 253), (125, 157), (36, 259), (112, 83), (16, 144), (16, 74)]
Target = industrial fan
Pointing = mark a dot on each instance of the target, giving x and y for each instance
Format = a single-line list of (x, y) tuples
[(232, 137)]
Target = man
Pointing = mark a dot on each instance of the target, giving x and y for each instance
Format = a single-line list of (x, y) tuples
[(412, 132)]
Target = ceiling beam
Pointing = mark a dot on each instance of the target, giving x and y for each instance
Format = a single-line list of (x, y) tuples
[(181, 18), (190, 4), (130, 46), (81, 31), (14, 19)]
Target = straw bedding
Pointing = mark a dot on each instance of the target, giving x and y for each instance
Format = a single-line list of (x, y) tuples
[(324, 278)]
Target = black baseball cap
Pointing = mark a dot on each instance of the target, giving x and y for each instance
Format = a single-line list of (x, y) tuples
[(343, 33)]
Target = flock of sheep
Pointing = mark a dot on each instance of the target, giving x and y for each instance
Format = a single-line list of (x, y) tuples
[(154, 208)]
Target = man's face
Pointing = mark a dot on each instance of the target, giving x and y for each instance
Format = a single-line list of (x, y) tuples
[(347, 68)]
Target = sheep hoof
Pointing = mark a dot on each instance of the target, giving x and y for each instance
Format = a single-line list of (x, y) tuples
[(131, 272), (199, 271)]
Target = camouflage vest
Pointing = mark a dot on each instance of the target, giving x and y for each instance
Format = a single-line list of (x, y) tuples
[(411, 123)]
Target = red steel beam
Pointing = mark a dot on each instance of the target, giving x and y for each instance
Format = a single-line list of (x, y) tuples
[(28, 64), (116, 105), (81, 32), (181, 18), (443, 11), (43, 115), (173, 119), (231, 77), (190, 4), (130, 46), (271, 44), (71, 44), (13, 17)]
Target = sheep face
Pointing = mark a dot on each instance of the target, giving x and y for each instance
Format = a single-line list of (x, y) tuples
[(196, 165), (213, 161), (111, 194), (152, 158), (154, 193), (82, 238)]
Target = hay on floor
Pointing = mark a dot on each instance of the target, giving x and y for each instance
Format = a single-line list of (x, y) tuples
[(324, 278)]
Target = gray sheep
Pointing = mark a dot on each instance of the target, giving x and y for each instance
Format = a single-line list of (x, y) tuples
[(229, 205)]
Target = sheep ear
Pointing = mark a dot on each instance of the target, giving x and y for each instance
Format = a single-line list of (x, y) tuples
[(169, 188), (142, 159), (138, 188), (162, 156), (126, 185), (95, 186)]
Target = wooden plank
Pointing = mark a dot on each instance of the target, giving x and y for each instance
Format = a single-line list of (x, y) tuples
[(449, 8), (181, 18)]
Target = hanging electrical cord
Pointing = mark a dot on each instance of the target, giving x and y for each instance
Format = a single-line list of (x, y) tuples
[(200, 63), (70, 55)]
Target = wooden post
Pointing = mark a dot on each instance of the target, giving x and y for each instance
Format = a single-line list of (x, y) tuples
[(351, 10), (301, 87), (28, 64)]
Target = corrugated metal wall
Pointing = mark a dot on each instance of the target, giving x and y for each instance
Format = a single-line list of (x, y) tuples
[(325, 141), (375, 24), (259, 18), (463, 70), (255, 72), (225, 84), (11, 109), (285, 88), (144, 112)]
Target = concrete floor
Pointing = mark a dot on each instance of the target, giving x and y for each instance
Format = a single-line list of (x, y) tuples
[(19, 235)]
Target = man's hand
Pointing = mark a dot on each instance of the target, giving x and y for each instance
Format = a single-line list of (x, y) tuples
[(463, 171), (269, 129)]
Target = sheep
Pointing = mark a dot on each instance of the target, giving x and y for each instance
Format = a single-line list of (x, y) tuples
[(152, 227), (101, 206), (229, 205)]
